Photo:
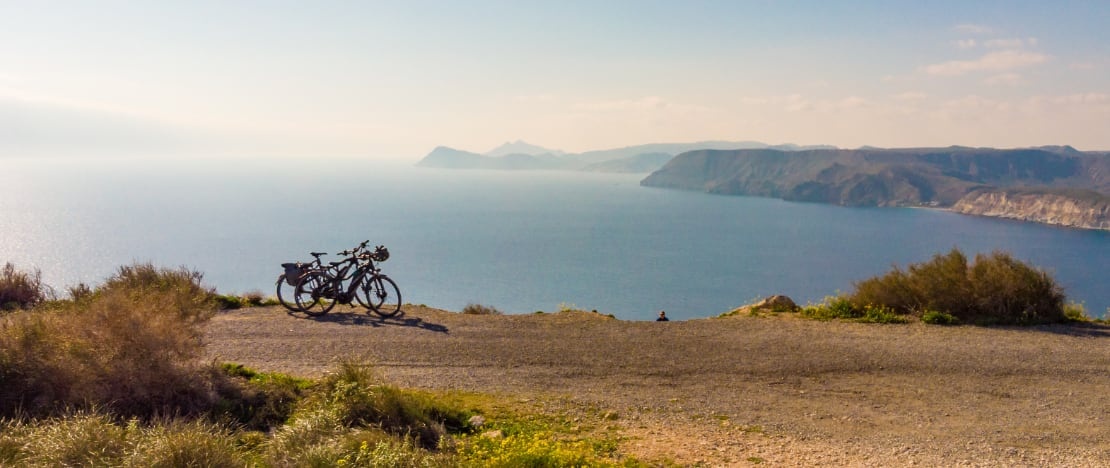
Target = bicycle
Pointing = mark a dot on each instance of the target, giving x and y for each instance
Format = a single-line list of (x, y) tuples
[(293, 273), (318, 291)]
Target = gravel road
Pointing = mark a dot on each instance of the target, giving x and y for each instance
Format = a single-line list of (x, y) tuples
[(738, 391)]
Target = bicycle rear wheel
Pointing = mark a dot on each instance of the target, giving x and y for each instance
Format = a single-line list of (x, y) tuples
[(382, 295), (315, 293), (285, 293)]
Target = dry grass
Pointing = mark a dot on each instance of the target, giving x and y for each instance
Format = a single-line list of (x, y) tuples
[(131, 347)]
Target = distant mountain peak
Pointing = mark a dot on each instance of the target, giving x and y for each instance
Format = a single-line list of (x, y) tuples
[(520, 147)]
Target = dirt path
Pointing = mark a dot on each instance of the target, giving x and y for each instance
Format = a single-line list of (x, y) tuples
[(778, 391)]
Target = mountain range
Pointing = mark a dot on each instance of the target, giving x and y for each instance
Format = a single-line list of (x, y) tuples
[(520, 155)]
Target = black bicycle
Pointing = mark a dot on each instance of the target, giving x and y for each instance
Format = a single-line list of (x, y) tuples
[(287, 281), (355, 278)]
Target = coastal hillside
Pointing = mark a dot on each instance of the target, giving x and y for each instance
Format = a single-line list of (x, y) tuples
[(883, 177), (1074, 208), (631, 159)]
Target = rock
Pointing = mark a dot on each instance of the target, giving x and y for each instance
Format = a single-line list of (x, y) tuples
[(476, 421), (497, 434), (776, 303)]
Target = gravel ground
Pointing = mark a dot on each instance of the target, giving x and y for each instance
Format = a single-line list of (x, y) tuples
[(739, 391)]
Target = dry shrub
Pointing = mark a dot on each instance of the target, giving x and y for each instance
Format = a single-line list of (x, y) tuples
[(21, 289), (131, 348), (479, 309), (994, 289)]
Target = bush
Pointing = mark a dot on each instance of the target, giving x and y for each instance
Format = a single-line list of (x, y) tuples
[(478, 309), (994, 289), (132, 348), (833, 307), (227, 302), (21, 290), (254, 298), (939, 318)]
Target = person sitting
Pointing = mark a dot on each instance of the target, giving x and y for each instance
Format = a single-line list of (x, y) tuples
[(662, 317)]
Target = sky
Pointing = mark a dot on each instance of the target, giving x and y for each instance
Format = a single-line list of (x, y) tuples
[(395, 79)]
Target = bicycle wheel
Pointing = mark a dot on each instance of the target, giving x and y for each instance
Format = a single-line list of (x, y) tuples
[(285, 294), (315, 293), (360, 291), (382, 295)]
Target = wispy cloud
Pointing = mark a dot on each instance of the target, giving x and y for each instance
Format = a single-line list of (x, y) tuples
[(1003, 79), (970, 28), (993, 62), (965, 43), (1010, 43)]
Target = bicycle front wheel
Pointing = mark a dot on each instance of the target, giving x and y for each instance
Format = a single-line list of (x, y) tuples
[(315, 294), (285, 294), (382, 295)]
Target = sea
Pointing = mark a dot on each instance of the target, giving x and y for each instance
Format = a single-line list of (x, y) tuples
[(519, 241)]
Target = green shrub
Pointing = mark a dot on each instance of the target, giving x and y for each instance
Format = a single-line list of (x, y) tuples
[(1076, 312), (833, 307), (132, 348), (227, 302), (994, 289), (479, 309), (20, 289), (1011, 292), (939, 318), (881, 314)]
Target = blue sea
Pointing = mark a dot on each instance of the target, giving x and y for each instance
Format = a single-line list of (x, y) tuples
[(519, 241)]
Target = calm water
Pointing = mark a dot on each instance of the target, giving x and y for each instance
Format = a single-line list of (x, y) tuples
[(519, 241)]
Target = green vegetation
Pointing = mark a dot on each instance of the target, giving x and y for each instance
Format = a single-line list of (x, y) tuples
[(994, 289), (479, 309), (111, 377), (841, 307)]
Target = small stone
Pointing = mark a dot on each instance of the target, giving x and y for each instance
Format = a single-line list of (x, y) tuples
[(476, 421), (497, 434)]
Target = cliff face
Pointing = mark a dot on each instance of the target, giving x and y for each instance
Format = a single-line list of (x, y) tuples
[(878, 177), (1081, 209)]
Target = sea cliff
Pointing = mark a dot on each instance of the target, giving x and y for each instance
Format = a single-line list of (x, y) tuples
[(1081, 209), (1056, 185)]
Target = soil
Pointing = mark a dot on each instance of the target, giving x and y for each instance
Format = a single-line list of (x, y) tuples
[(738, 391)]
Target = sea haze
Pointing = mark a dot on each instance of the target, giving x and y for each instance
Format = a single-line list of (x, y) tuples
[(520, 241)]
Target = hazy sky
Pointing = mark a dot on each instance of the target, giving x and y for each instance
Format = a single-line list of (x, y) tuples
[(395, 79)]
